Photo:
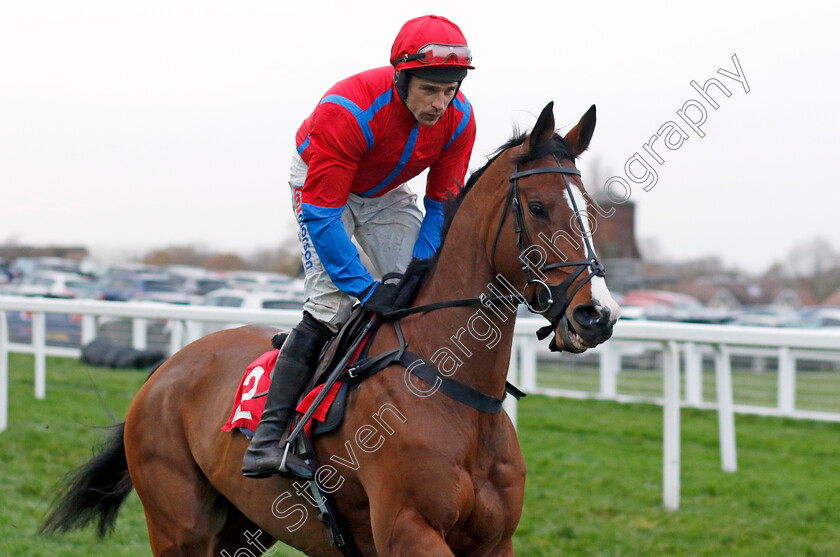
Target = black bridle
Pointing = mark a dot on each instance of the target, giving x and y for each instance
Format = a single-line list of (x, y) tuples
[(551, 300)]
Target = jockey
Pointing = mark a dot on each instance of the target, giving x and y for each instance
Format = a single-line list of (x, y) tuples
[(369, 135)]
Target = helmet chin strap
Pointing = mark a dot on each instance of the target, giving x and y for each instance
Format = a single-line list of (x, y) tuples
[(401, 82), (457, 88)]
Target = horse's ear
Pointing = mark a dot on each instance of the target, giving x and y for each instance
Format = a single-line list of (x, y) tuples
[(578, 137), (544, 128)]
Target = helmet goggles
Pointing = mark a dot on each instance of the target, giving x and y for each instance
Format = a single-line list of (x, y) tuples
[(438, 53)]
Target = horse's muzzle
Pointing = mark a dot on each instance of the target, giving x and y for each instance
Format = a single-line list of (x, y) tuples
[(591, 324)]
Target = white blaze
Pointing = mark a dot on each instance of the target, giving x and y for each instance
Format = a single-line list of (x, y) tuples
[(599, 288)]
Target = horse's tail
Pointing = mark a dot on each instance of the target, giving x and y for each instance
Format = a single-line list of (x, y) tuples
[(94, 491)]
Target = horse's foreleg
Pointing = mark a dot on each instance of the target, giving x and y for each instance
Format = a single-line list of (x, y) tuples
[(408, 534)]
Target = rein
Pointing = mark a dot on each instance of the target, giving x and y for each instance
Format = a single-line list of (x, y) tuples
[(552, 300), (398, 314)]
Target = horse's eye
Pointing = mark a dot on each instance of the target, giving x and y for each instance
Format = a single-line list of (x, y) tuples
[(538, 210)]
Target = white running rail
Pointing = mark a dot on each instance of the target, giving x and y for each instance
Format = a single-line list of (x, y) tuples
[(673, 339)]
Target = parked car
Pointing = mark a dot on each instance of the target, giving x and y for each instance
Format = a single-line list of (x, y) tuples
[(6, 273), (257, 280), (819, 318), (25, 266), (238, 298), (765, 316), (661, 305), (56, 284), (61, 329), (202, 286), (196, 281), (144, 287)]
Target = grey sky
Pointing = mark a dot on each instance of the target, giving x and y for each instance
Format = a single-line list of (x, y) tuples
[(130, 125)]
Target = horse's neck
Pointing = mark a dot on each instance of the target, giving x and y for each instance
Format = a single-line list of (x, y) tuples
[(476, 338)]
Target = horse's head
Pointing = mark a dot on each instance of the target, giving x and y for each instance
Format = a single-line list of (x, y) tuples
[(543, 240)]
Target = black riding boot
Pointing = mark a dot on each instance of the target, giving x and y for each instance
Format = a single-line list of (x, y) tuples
[(294, 366)]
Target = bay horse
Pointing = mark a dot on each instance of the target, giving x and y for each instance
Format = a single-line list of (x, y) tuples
[(412, 471)]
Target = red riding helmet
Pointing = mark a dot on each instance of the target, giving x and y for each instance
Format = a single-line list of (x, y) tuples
[(432, 47)]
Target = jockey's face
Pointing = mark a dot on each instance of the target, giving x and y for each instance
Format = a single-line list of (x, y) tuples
[(427, 100)]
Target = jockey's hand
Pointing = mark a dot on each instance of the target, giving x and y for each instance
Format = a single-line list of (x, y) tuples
[(382, 297)]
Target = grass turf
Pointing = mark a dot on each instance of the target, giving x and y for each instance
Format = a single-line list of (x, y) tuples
[(594, 475)]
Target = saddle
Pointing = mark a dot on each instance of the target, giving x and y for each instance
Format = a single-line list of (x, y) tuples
[(247, 410), (327, 416), (248, 407), (348, 350), (331, 357)]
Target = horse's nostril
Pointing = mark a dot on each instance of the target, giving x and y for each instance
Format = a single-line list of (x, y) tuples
[(592, 315)]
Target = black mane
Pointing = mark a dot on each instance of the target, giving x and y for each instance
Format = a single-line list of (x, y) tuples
[(555, 146)]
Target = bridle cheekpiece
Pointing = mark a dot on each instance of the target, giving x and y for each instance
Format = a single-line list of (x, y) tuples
[(551, 300)]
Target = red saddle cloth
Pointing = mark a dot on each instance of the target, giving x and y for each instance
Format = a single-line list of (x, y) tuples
[(248, 410)]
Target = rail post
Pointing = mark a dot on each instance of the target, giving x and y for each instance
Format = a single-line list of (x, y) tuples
[(787, 381), (138, 333), (39, 348), (88, 329), (526, 349), (510, 402), (4, 372), (693, 374), (609, 364), (671, 426), (176, 335), (725, 407)]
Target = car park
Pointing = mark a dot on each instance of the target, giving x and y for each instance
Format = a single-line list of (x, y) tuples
[(144, 287), (246, 299), (765, 316), (62, 329), (202, 286), (6, 273), (258, 280), (661, 305), (819, 318), (25, 266), (56, 284), (196, 281)]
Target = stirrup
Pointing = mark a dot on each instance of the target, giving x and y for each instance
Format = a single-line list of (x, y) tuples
[(296, 467)]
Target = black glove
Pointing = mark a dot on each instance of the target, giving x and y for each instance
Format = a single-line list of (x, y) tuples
[(382, 299), (410, 283)]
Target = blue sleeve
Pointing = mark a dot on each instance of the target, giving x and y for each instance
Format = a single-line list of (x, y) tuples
[(429, 239), (337, 253)]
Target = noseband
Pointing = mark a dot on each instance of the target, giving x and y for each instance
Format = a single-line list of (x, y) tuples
[(551, 300)]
